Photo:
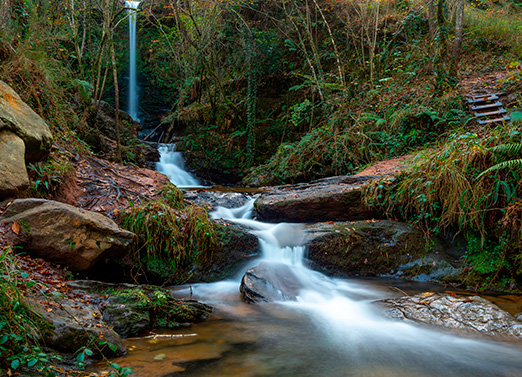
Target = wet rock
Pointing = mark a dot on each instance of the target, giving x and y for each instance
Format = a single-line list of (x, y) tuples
[(150, 154), (64, 234), (329, 199), (13, 173), (74, 325), (379, 247), (130, 309), (125, 319), (237, 247), (268, 282), (213, 198), (17, 117), (466, 313)]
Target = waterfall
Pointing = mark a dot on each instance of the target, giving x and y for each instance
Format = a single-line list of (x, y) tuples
[(171, 164), (132, 107)]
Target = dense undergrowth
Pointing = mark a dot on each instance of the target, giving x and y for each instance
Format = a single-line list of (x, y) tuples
[(470, 183), (173, 238), (279, 92)]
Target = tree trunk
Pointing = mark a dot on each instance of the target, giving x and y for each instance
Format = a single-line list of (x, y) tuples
[(431, 18), (459, 22), (116, 102)]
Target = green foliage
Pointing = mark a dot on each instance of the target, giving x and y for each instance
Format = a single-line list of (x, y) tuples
[(170, 240), (172, 196), (19, 326), (453, 185), (48, 176), (164, 310), (342, 146)]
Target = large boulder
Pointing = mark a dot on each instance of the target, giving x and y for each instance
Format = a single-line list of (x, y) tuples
[(269, 282), (64, 234), (13, 173), (74, 325), (334, 199), (380, 247), (466, 313), (18, 117)]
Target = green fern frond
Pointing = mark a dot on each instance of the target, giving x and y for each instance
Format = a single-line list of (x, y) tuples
[(511, 164), (507, 149)]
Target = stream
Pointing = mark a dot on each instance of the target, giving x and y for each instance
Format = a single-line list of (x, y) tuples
[(331, 328)]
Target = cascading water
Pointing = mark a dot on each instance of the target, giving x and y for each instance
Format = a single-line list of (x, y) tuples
[(346, 335), (132, 108), (331, 329), (171, 164)]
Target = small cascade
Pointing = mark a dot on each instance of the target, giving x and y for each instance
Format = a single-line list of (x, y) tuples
[(347, 324), (132, 107), (171, 164)]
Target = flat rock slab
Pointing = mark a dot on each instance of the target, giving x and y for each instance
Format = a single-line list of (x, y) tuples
[(64, 234), (16, 116), (13, 173), (334, 198), (466, 313), (378, 247)]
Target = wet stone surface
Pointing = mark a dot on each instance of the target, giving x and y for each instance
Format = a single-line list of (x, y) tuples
[(465, 313)]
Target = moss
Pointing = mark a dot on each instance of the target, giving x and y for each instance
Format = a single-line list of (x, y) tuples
[(162, 308)]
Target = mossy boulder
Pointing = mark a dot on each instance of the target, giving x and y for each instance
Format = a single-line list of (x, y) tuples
[(380, 247), (73, 325), (236, 247), (131, 309)]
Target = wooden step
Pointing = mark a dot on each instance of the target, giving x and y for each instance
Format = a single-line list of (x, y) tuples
[(496, 120), (498, 112), (486, 95), (483, 99), (488, 106)]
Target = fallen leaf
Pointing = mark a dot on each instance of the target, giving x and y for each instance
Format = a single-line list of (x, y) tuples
[(15, 228)]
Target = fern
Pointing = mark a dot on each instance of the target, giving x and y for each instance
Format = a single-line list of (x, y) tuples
[(507, 149), (510, 164)]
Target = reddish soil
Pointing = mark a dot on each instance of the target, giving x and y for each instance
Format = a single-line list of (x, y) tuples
[(386, 167), (101, 186)]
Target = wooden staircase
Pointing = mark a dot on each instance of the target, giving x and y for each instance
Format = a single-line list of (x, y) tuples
[(488, 108)]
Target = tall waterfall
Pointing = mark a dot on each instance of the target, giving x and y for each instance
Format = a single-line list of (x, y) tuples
[(132, 107)]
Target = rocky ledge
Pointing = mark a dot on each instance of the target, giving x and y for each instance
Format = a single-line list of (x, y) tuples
[(328, 199)]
